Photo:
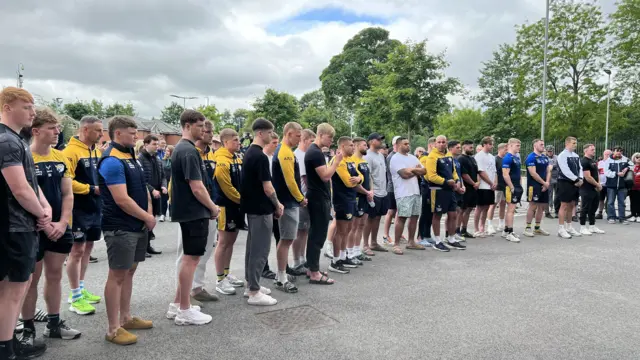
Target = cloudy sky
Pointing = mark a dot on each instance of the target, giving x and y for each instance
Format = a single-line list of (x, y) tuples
[(231, 51)]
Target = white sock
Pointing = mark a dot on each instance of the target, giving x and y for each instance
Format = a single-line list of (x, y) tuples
[(303, 260), (356, 251), (561, 227), (282, 276), (501, 223), (349, 253), (567, 225), (436, 239), (81, 285), (452, 239), (343, 255), (296, 262)]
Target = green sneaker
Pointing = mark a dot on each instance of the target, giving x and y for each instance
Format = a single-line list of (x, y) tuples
[(82, 307), (90, 298)]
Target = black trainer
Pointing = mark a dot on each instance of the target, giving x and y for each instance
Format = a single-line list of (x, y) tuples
[(441, 247), (27, 347), (296, 272), (363, 257), (456, 245), (466, 235), (338, 267), (349, 263), (92, 259), (599, 216)]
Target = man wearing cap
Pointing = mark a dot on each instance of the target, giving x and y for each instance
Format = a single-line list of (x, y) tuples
[(553, 162), (391, 196), (215, 143), (378, 169)]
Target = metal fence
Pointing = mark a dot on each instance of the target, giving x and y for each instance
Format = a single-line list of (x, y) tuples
[(630, 146)]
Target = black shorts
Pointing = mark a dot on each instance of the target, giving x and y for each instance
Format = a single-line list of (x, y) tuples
[(515, 197), (486, 197), (18, 251), (391, 197), (230, 219), (381, 208), (443, 201), (567, 191), (361, 206), (345, 211), (60, 246), (536, 195), (194, 236), (469, 198), (84, 235)]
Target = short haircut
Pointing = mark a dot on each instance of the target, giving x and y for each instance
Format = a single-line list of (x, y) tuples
[(291, 126), (344, 139), (432, 140), (149, 138), (261, 124), (325, 129), (308, 134), (12, 93), (501, 146), (44, 115), (535, 141), (191, 117), (359, 140), (467, 142), (227, 134), (120, 122), (586, 146), (569, 139), (618, 148), (486, 140), (401, 138), (89, 120), (453, 143), (513, 141), (208, 125), (274, 136)]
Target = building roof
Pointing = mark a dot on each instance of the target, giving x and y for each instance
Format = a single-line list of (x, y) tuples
[(154, 126)]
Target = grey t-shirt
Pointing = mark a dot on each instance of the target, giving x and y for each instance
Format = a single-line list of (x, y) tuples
[(186, 165), (553, 161), (378, 168), (389, 179), (14, 151)]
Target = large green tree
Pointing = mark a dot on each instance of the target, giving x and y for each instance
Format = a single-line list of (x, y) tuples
[(119, 109), (212, 114), (625, 50), (409, 90), (171, 113), (462, 124), (77, 110), (277, 107)]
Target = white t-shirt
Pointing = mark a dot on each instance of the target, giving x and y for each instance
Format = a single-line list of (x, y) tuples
[(601, 176), (270, 157), (404, 187), (487, 163), (299, 154)]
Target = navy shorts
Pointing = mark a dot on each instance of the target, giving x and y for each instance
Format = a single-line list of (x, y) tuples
[(513, 198), (443, 201), (345, 211), (536, 195), (230, 219), (361, 206)]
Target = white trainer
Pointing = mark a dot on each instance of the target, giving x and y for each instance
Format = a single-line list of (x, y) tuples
[(263, 290), (174, 309), (234, 281), (491, 230), (573, 232), (528, 232), (479, 234), (562, 232), (261, 299), (595, 230), (511, 237), (224, 287), (192, 317), (585, 231)]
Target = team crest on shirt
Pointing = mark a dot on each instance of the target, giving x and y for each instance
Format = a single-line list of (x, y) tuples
[(441, 161), (349, 216), (86, 162), (38, 171), (438, 208), (360, 212), (231, 225), (535, 198), (60, 168)]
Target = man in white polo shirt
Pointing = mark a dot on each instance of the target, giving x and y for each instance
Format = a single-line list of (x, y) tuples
[(486, 191)]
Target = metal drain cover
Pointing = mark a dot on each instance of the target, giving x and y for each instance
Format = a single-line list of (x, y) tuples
[(295, 319)]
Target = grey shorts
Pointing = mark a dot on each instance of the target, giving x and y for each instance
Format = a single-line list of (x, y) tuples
[(500, 197), (409, 206), (289, 224), (303, 219), (124, 248)]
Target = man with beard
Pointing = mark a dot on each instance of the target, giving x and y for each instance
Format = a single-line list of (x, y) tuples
[(378, 168), (589, 191), (569, 182), (154, 176), (615, 169), (486, 191), (469, 170), (364, 200), (538, 184)]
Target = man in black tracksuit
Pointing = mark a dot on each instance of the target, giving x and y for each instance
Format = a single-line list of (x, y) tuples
[(156, 181)]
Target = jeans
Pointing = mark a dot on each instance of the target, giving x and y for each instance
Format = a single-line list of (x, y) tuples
[(612, 195), (319, 215)]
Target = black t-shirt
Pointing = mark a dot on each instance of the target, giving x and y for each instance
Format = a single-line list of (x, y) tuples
[(312, 160), (469, 166), (186, 165), (15, 152), (253, 200), (590, 165), (501, 184)]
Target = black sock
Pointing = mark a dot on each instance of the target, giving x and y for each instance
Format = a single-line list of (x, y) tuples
[(464, 230), (457, 230), (54, 320), (446, 234), (29, 324), (6, 349)]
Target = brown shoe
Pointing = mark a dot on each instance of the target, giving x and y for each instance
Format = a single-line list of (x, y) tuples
[(122, 337), (137, 324), (205, 296)]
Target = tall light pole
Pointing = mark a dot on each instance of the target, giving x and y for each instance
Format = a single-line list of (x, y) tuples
[(20, 76), (544, 75), (606, 131), (206, 97), (184, 99)]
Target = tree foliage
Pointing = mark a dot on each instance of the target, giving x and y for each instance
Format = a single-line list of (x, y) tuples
[(278, 107), (171, 113), (211, 113)]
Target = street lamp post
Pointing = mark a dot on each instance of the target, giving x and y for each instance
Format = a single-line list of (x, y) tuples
[(606, 131), (20, 76), (184, 99), (544, 75)]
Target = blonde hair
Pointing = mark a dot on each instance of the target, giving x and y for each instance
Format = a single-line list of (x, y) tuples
[(325, 129), (44, 115), (501, 146), (227, 134), (139, 145), (635, 157), (168, 151), (513, 141), (291, 126), (308, 134)]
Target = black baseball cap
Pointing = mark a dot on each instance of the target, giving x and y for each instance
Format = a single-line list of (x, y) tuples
[(375, 136)]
